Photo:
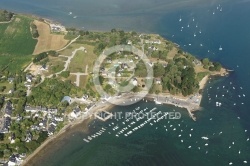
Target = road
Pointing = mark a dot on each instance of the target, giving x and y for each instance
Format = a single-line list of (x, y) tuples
[(72, 41), (67, 62), (78, 75)]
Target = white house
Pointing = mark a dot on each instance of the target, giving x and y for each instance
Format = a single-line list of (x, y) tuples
[(75, 113), (59, 119), (134, 82), (157, 81)]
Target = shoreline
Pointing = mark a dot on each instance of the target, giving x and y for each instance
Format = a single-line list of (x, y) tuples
[(108, 106), (62, 133)]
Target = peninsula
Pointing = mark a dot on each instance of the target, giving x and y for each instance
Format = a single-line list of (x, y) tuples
[(46, 78)]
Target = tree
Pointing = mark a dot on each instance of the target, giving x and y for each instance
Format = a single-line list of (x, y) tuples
[(140, 69), (113, 30), (206, 63), (217, 66), (53, 53), (31, 146), (1, 154), (159, 70), (136, 89), (39, 57), (43, 135), (2, 88), (101, 79), (1, 136)]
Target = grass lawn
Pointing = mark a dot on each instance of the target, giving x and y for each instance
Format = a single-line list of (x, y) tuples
[(172, 53), (82, 59), (72, 78), (8, 86), (56, 64), (68, 51), (201, 75), (83, 81), (16, 43)]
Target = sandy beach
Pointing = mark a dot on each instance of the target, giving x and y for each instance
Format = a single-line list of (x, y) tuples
[(203, 82)]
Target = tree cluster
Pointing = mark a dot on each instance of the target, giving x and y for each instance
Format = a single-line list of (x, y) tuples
[(178, 77), (51, 92), (40, 57), (5, 15), (34, 30), (212, 66)]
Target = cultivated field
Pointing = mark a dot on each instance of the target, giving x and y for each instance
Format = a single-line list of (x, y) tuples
[(46, 40), (16, 43)]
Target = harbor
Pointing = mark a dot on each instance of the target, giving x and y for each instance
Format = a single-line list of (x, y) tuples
[(191, 103)]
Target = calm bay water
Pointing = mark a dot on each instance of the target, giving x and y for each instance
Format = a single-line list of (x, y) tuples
[(153, 145)]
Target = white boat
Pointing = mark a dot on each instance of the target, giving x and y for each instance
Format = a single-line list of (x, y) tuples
[(205, 138), (220, 49), (180, 19), (157, 101), (85, 140), (70, 13), (220, 9), (75, 17), (194, 35)]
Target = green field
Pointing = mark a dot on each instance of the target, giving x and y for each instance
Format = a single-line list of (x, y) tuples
[(16, 43), (82, 59)]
